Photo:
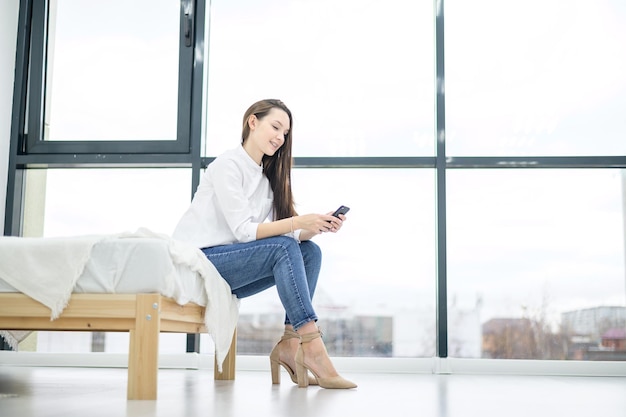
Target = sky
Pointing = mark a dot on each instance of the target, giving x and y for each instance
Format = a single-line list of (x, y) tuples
[(534, 78)]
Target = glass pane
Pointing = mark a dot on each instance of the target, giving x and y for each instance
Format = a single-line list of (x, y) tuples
[(357, 76), (539, 77), (112, 70), (376, 293), (536, 263), (95, 201)]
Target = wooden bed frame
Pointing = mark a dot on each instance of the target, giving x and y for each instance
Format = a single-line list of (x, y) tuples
[(144, 316)]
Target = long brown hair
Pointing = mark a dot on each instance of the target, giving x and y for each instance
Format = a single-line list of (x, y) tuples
[(277, 168)]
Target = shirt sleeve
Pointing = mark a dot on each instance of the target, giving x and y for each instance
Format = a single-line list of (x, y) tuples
[(230, 198)]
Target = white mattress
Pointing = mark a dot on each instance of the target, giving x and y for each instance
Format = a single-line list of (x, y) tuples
[(137, 265)]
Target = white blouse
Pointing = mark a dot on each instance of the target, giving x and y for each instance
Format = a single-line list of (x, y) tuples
[(233, 198)]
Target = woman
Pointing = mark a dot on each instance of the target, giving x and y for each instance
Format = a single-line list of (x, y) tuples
[(239, 191)]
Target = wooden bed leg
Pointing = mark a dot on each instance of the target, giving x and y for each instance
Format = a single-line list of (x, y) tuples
[(143, 356), (228, 367)]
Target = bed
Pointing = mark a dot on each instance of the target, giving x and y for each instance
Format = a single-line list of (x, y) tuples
[(142, 283)]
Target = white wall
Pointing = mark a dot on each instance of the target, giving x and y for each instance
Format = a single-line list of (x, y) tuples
[(8, 37)]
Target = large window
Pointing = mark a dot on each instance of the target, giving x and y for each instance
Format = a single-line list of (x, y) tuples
[(492, 229)]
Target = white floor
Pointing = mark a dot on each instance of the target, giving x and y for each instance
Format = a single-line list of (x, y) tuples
[(91, 392)]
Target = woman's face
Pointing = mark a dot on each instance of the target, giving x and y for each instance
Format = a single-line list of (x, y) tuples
[(268, 134)]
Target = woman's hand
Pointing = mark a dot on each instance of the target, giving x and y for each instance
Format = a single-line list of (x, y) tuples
[(315, 224), (336, 223), (309, 224)]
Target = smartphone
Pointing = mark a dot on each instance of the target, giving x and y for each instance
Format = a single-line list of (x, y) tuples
[(341, 210)]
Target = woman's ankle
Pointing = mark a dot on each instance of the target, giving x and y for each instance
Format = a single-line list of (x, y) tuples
[(316, 357), (307, 328)]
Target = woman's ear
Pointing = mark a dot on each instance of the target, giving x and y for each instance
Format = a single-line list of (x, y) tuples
[(252, 121)]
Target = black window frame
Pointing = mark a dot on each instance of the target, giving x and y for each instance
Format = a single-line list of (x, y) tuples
[(34, 142)]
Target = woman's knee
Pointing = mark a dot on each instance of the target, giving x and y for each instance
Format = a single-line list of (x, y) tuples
[(285, 246), (311, 250), (286, 241)]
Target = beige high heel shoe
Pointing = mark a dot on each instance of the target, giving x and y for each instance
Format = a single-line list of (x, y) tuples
[(275, 361), (333, 382)]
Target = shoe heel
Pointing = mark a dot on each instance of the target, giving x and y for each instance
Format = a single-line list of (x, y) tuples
[(275, 368), (303, 376)]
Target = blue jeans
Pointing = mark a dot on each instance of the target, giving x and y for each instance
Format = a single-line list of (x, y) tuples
[(252, 267)]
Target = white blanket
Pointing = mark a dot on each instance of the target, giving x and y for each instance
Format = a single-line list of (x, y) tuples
[(46, 269)]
